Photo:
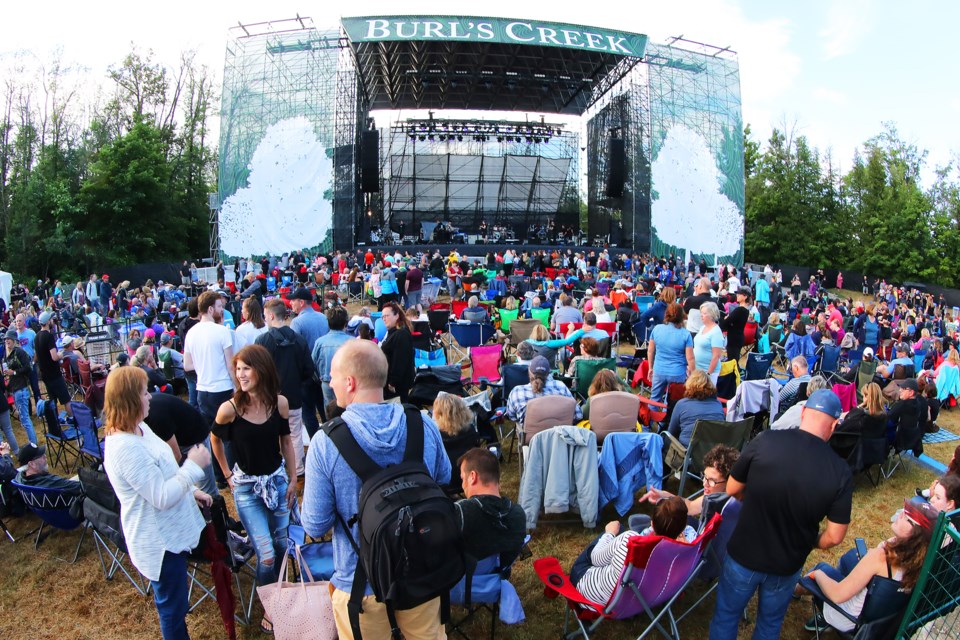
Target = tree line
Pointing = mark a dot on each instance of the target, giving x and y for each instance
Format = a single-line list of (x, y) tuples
[(876, 218), (93, 175)]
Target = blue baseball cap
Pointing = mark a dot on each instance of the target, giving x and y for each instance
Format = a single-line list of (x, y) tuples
[(825, 401)]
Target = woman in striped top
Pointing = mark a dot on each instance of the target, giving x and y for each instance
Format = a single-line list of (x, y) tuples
[(158, 500), (596, 571)]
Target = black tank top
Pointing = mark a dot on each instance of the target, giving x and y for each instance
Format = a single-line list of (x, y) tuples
[(256, 447)]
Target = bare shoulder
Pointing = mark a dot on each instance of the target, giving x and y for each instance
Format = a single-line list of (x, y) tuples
[(226, 413), (283, 406)]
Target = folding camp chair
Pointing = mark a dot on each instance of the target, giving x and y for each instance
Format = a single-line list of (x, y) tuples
[(729, 510), (652, 414), (656, 572), (586, 371), (93, 386), (829, 361), (865, 375), (542, 316), (432, 358), (52, 506), (62, 441), (486, 582), (706, 435), (466, 335), (506, 317), (758, 365), (613, 412), (101, 508), (512, 375), (316, 555), (918, 358), (643, 377), (541, 414), (485, 363), (886, 600), (91, 447)]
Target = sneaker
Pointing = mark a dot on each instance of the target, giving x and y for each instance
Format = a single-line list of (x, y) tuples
[(816, 623)]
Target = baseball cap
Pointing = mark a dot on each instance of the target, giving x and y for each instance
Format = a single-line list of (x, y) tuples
[(165, 338), (910, 383), (916, 509), (67, 341), (159, 283), (30, 452), (539, 366), (825, 401), (902, 347), (301, 294), (868, 352), (104, 277), (588, 293), (45, 317)]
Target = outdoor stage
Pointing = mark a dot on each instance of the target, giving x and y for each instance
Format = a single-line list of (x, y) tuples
[(481, 250)]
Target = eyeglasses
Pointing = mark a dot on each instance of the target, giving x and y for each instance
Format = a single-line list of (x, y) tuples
[(710, 482)]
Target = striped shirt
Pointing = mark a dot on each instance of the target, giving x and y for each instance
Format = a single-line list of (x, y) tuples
[(157, 510), (607, 558)]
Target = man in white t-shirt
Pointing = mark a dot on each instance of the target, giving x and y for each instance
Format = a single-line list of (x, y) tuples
[(208, 350)]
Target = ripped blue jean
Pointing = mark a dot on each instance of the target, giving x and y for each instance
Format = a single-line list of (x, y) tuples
[(267, 529)]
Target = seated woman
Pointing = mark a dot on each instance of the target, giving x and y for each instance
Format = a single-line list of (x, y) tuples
[(596, 570), (699, 402), (774, 329), (589, 350), (605, 380), (541, 334), (717, 464), (457, 429), (900, 558), (144, 359)]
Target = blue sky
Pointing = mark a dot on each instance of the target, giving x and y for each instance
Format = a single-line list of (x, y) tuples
[(833, 71)]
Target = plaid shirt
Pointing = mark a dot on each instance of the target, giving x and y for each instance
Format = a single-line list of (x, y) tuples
[(520, 396)]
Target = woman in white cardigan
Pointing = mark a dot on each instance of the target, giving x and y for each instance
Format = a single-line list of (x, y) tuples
[(159, 514)]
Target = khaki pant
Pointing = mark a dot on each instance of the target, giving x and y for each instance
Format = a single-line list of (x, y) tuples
[(419, 623)]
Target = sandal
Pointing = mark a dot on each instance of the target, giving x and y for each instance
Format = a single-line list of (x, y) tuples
[(266, 627)]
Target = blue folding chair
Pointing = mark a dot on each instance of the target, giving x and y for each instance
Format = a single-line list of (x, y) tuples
[(62, 441), (486, 591), (469, 334), (829, 360), (317, 556), (644, 303), (758, 365), (434, 358), (271, 284), (91, 446), (52, 506), (918, 358)]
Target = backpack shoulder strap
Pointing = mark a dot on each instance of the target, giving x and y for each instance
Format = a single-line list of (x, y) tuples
[(362, 465), (414, 448)]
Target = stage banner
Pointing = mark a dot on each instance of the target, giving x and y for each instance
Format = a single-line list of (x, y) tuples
[(494, 30)]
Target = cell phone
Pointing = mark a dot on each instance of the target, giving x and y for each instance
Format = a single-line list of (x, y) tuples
[(861, 547)]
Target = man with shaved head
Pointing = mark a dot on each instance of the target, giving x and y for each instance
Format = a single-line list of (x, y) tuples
[(358, 374)]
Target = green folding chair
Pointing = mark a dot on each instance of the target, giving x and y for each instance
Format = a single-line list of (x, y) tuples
[(506, 317), (543, 315), (587, 370)]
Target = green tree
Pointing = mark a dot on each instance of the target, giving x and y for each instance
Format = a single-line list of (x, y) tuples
[(128, 209)]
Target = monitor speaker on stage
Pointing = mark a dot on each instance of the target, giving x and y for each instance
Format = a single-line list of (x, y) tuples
[(616, 161), (370, 161)]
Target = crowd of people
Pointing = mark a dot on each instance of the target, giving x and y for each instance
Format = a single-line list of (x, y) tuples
[(269, 353)]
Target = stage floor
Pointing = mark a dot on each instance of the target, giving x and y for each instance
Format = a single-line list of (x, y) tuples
[(483, 249)]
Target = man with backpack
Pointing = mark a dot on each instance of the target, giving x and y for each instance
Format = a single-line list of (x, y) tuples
[(397, 511), (294, 366)]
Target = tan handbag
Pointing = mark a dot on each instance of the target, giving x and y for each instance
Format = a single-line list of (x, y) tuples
[(299, 610)]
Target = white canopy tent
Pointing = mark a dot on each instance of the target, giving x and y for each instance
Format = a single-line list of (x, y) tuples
[(6, 286)]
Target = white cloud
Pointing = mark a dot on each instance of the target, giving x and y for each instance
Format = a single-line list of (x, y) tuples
[(847, 23)]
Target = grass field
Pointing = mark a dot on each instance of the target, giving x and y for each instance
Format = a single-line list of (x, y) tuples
[(42, 597)]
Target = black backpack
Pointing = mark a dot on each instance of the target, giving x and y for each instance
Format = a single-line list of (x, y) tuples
[(410, 548)]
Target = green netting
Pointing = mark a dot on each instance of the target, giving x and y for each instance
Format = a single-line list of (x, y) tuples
[(932, 612)]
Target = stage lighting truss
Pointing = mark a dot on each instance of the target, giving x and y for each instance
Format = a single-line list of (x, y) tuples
[(434, 130)]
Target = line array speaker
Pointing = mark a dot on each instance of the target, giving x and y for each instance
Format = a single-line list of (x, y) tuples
[(616, 166), (370, 161)]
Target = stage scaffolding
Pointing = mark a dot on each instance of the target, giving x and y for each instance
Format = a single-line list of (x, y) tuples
[(275, 71), (509, 174), (677, 110)]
